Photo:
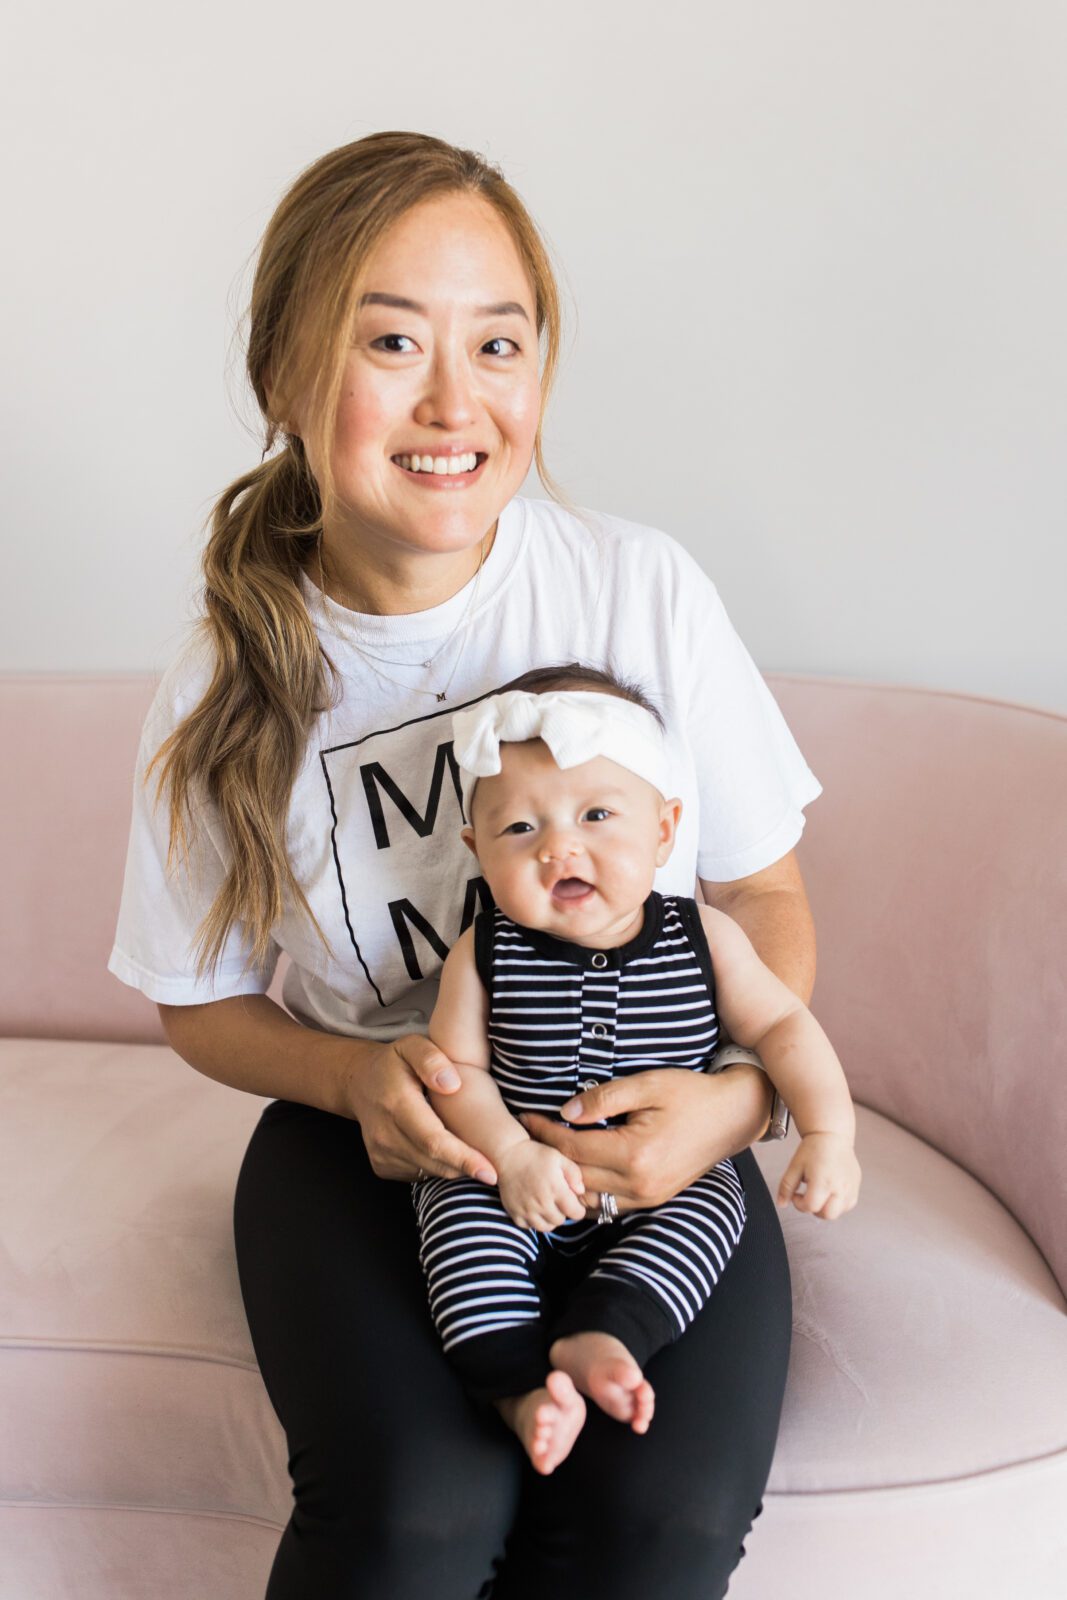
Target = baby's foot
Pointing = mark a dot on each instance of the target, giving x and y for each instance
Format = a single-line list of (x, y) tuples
[(547, 1421), (604, 1369)]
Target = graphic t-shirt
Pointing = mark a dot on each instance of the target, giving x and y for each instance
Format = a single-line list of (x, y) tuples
[(373, 830)]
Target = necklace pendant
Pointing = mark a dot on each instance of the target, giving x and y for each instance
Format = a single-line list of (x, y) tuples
[(441, 695)]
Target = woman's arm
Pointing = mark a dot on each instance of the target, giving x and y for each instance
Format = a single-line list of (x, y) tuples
[(250, 1043), (772, 907)]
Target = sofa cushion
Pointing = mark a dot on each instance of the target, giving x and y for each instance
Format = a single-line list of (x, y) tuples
[(129, 1376), (953, 1359)]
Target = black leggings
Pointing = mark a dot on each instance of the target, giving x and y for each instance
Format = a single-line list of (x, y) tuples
[(404, 1487)]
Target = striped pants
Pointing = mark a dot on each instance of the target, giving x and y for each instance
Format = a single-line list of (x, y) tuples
[(500, 1294)]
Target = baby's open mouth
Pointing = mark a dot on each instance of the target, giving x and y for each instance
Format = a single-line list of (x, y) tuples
[(571, 889)]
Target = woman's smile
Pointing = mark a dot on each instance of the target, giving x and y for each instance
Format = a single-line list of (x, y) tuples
[(442, 471)]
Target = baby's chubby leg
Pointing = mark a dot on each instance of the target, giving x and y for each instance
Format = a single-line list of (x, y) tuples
[(546, 1421), (601, 1367)]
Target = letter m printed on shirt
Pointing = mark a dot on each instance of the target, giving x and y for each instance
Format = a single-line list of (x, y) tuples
[(409, 885)]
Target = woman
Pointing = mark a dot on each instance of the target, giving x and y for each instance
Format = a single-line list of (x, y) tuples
[(375, 573)]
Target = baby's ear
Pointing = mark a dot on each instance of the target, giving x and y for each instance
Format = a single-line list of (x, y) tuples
[(467, 835), (669, 817)]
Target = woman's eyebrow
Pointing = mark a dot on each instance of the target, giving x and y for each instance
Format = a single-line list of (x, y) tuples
[(501, 308)]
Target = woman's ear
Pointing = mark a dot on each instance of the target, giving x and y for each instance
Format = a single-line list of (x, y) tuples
[(670, 814), (289, 425)]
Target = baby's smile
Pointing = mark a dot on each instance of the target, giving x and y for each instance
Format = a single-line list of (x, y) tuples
[(572, 891)]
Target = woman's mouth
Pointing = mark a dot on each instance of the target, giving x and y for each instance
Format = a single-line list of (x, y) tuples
[(442, 472), (571, 891)]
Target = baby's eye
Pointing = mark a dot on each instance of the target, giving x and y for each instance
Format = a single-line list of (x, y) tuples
[(512, 826), (598, 811)]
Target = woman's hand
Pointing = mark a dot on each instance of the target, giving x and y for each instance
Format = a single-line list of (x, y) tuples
[(403, 1134), (678, 1125)]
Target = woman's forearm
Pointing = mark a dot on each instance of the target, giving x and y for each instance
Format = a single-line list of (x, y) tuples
[(772, 907), (250, 1043), (744, 1112)]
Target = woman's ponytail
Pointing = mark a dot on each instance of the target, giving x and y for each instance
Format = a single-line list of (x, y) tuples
[(242, 746)]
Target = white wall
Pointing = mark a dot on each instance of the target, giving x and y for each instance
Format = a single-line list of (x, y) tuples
[(817, 252)]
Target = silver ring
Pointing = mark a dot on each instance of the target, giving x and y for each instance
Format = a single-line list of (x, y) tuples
[(609, 1209)]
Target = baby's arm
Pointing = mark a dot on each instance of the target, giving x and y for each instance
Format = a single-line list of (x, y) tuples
[(538, 1185), (761, 1013)]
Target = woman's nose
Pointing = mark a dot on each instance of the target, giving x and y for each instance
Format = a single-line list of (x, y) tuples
[(449, 399)]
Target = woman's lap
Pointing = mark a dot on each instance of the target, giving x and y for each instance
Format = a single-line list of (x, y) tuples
[(405, 1487)]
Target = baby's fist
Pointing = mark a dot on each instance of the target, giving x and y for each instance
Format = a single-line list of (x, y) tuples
[(540, 1187), (826, 1165)]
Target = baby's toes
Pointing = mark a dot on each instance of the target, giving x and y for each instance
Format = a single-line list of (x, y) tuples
[(644, 1399)]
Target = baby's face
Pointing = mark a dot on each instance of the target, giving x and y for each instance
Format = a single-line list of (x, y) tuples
[(572, 851)]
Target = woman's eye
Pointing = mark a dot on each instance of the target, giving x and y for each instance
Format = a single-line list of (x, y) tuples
[(376, 342), (596, 811), (502, 340)]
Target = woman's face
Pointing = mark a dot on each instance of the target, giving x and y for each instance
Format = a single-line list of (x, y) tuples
[(443, 362)]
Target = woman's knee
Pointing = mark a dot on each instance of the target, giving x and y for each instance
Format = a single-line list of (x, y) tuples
[(679, 1546), (382, 1517)]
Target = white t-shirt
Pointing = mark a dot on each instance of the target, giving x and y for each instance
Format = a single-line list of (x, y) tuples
[(374, 823)]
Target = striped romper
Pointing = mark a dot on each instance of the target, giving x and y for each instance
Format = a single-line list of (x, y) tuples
[(564, 1018)]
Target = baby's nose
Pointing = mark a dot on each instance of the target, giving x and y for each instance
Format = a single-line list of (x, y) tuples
[(559, 848)]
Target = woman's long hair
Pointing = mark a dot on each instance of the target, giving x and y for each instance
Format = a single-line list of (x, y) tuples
[(242, 746)]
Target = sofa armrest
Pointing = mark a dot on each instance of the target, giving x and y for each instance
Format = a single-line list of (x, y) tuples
[(936, 864)]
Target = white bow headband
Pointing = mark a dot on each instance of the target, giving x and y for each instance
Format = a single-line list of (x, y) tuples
[(576, 724)]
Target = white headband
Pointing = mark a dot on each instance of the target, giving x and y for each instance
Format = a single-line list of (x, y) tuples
[(576, 724)]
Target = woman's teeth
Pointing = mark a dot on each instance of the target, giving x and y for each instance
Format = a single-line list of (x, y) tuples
[(441, 464)]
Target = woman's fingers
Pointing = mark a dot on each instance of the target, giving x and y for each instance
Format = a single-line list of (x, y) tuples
[(430, 1065), (613, 1099), (408, 1136), (438, 1151), (593, 1148)]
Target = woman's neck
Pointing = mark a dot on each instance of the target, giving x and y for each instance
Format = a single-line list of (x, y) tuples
[(398, 586)]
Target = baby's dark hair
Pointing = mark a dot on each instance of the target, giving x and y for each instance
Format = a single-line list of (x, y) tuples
[(573, 675)]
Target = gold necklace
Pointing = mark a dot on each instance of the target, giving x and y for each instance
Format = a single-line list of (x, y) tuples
[(369, 655)]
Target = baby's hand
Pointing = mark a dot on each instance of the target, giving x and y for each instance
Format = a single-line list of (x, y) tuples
[(539, 1186), (826, 1163)]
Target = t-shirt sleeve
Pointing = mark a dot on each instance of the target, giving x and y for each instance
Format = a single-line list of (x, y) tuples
[(160, 912), (752, 780)]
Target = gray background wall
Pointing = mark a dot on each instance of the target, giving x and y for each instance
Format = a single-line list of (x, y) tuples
[(814, 255)]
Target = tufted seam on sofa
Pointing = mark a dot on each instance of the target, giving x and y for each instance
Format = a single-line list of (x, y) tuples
[(128, 1348), (926, 1485), (150, 1510)]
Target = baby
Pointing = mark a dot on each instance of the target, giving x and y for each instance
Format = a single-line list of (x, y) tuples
[(583, 972)]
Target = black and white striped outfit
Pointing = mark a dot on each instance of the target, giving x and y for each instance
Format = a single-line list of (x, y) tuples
[(562, 1019)]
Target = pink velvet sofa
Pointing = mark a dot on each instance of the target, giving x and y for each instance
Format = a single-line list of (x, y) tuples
[(923, 1447)]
